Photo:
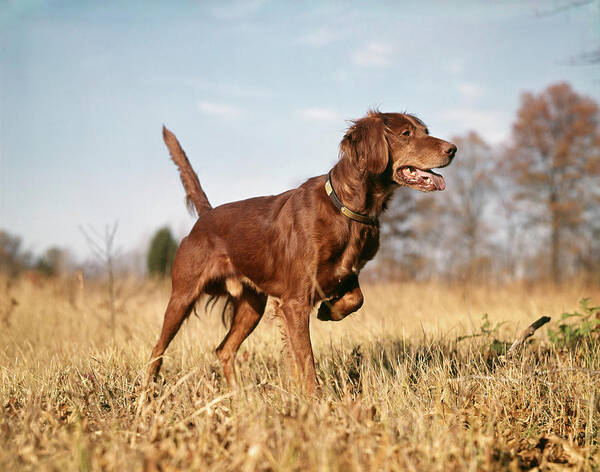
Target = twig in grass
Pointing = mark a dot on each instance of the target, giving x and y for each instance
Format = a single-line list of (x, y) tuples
[(142, 409), (161, 399), (523, 377), (206, 408), (282, 390), (212, 403), (225, 396), (527, 333)]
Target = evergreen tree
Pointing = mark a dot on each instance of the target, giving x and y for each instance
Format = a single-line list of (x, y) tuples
[(161, 253)]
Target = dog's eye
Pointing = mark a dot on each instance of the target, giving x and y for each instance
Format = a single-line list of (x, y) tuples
[(405, 133)]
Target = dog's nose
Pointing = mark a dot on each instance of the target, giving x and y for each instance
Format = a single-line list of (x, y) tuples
[(450, 150)]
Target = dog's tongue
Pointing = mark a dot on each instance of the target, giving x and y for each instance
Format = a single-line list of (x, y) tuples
[(437, 179)]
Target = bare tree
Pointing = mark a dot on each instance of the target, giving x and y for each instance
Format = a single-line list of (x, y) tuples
[(425, 235), (396, 231), (591, 56), (102, 247), (468, 196)]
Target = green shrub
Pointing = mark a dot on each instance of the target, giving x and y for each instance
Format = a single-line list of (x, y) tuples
[(582, 328)]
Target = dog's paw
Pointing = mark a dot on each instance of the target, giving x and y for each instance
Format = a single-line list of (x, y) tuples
[(325, 313)]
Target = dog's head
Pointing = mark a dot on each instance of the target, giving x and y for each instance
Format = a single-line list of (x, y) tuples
[(397, 146)]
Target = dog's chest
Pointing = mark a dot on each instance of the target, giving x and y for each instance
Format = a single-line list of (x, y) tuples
[(360, 249)]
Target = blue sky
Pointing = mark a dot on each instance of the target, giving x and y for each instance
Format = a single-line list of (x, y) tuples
[(257, 92)]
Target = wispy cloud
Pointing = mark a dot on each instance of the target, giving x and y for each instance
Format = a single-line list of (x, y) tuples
[(373, 53), (456, 66), (470, 91), (319, 37), (493, 125), (231, 89), (220, 109), (232, 9), (318, 114), (95, 61), (224, 88)]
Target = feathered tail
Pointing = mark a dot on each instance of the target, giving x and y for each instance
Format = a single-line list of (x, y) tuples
[(195, 198)]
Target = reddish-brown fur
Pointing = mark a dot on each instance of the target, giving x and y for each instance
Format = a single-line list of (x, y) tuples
[(296, 246)]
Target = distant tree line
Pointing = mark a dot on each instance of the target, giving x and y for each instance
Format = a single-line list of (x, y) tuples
[(55, 261), (14, 259)]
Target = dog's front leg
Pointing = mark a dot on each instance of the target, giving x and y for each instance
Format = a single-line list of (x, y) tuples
[(338, 308), (348, 299), (296, 325)]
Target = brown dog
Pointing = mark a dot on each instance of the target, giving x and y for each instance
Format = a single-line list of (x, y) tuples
[(303, 247)]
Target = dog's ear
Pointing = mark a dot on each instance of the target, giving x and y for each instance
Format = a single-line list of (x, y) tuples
[(365, 144)]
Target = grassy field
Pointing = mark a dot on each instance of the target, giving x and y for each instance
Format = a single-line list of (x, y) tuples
[(398, 391)]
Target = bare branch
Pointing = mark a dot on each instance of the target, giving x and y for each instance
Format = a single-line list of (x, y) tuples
[(531, 329), (562, 8), (102, 248), (586, 58)]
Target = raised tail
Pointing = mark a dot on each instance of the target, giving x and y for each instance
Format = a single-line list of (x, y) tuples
[(195, 198)]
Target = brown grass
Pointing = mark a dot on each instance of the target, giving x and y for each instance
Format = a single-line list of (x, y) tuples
[(398, 392)]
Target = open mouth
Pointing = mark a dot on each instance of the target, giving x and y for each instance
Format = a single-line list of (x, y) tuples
[(424, 180)]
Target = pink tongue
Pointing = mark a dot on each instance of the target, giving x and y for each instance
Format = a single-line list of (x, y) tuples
[(438, 180)]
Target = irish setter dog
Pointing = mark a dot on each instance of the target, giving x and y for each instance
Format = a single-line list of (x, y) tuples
[(304, 247)]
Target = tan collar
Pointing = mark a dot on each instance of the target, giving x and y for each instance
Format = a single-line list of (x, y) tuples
[(344, 210)]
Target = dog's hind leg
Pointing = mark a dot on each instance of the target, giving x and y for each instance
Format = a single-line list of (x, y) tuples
[(248, 310), (180, 304), (192, 271)]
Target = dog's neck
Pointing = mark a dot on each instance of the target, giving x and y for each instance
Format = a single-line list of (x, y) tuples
[(360, 193)]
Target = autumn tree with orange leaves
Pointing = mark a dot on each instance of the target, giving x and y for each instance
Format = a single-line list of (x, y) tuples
[(554, 162)]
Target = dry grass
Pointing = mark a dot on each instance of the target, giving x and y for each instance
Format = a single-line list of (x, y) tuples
[(398, 392)]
